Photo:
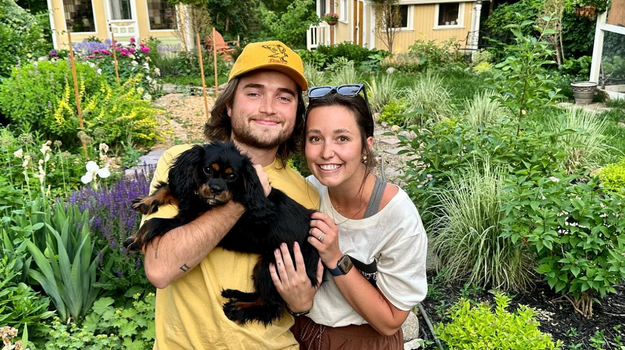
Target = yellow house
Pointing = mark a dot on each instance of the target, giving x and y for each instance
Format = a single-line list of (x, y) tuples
[(438, 20), (124, 19)]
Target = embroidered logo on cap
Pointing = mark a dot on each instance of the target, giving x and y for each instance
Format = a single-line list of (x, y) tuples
[(278, 53)]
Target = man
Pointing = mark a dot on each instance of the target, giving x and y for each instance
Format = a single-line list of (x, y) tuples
[(261, 111)]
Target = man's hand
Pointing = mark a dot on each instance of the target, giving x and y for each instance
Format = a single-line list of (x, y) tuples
[(264, 178)]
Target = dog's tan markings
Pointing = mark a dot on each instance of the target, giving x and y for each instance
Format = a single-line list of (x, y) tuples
[(215, 166), (204, 191), (228, 171), (224, 196), (240, 305), (150, 204)]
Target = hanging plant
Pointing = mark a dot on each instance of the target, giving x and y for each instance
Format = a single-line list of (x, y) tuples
[(590, 8)]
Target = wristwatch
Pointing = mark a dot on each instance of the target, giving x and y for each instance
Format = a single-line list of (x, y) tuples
[(342, 266)]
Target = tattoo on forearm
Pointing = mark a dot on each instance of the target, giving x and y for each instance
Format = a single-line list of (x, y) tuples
[(184, 268)]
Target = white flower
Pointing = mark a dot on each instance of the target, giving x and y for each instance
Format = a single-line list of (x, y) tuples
[(47, 157), (554, 179), (147, 96), (134, 63), (92, 167), (87, 178), (104, 147), (157, 72), (44, 148), (148, 78), (19, 153), (103, 173), (99, 71), (131, 56)]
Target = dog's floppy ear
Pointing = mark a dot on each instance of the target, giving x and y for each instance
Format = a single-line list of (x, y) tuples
[(252, 195), (183, 175)]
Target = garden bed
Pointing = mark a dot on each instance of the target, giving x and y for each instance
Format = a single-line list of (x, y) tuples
[(555, 314)]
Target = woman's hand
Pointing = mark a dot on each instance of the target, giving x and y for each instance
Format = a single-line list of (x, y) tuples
[(292, 282), (264, 178), (324, 235)]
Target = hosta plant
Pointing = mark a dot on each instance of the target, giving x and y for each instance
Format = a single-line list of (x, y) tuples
[(575, 229)]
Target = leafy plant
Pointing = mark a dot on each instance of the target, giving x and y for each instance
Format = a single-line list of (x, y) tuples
[(522, 80), (477, 327), (343, 72), (21, 36), (613, 176), (394, 113), (66, 269), (467, 236), (107, 327), (313, 76), (574, 228)]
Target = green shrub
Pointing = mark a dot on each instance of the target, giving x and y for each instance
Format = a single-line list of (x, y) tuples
[(477, 327), (21, 36), (325, 55), (467, 236), (447, 149), (342, 71), (313, 76), (429, 95), (613, 176), (483, 109), (291, 26), (584, 141), (31, 95), (381, 91), (394, 113), (107, 327), (433, 54), (576, 231)]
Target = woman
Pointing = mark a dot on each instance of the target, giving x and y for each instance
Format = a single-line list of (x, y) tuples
[(362, 221)]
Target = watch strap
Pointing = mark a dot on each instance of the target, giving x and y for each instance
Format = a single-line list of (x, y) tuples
[(343, 265)]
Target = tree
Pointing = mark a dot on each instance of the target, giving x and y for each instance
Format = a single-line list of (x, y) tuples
[(292, 25), (387, 21)]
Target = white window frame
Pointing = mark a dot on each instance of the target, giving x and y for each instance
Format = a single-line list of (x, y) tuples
[(147, 10), (344, 11), (460, 24), (318, 7), (95, 23), (409, 20)]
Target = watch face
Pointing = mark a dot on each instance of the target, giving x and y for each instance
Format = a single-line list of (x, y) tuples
[(345, 264)]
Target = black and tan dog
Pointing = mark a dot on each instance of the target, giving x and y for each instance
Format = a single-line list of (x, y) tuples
[(210, 175)]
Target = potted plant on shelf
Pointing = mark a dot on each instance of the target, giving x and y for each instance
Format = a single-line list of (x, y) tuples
[(589, 8), (331, 18)]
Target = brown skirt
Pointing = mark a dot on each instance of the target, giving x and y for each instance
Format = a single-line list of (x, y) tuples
[(313, 336)]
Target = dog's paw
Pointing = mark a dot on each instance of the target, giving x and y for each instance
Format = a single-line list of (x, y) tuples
[(145, 206)]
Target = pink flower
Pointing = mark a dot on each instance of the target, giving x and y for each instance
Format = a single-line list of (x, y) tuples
[(91, 56), (145, 49), (132, 40), (96, 51), (132, 50), (106, 52), (100, 56), (142, 44)]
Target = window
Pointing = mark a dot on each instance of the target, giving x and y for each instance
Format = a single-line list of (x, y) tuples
[(343, 11), (321, 4), (120, 10), (449, 14), (401, 16), (162, 15), (79, 16)]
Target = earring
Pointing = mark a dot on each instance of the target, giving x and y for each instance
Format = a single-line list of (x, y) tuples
[(364, 159)]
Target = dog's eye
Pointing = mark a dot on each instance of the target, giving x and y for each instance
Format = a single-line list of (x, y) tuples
[(208, 171), (231, 177)]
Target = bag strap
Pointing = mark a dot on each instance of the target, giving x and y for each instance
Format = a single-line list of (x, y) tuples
[(376, 198)]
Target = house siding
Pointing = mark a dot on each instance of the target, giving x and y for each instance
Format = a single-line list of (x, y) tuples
[(423, 28), (58, 14)]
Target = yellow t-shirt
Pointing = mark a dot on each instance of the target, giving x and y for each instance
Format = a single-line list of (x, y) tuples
[(189, 312)]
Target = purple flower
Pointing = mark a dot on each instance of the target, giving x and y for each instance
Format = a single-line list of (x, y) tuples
[(52, 53), (119, 273)]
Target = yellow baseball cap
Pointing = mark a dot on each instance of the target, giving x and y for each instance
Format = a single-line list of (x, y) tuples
[(272, 55)]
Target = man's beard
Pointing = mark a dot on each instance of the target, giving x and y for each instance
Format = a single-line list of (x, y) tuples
[(243, 134)]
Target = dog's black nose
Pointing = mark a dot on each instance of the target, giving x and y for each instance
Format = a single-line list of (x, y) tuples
[(216, 188)]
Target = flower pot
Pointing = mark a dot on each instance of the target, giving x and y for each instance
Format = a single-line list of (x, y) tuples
[(588, 11), (583, 92), (332, 22)]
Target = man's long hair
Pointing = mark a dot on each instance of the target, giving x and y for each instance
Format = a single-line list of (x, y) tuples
[(219, 127)]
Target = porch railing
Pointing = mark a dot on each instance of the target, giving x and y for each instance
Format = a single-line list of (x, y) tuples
[(317, 35)]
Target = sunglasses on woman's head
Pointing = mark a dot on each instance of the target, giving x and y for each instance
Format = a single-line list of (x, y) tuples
[(349, 90)]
